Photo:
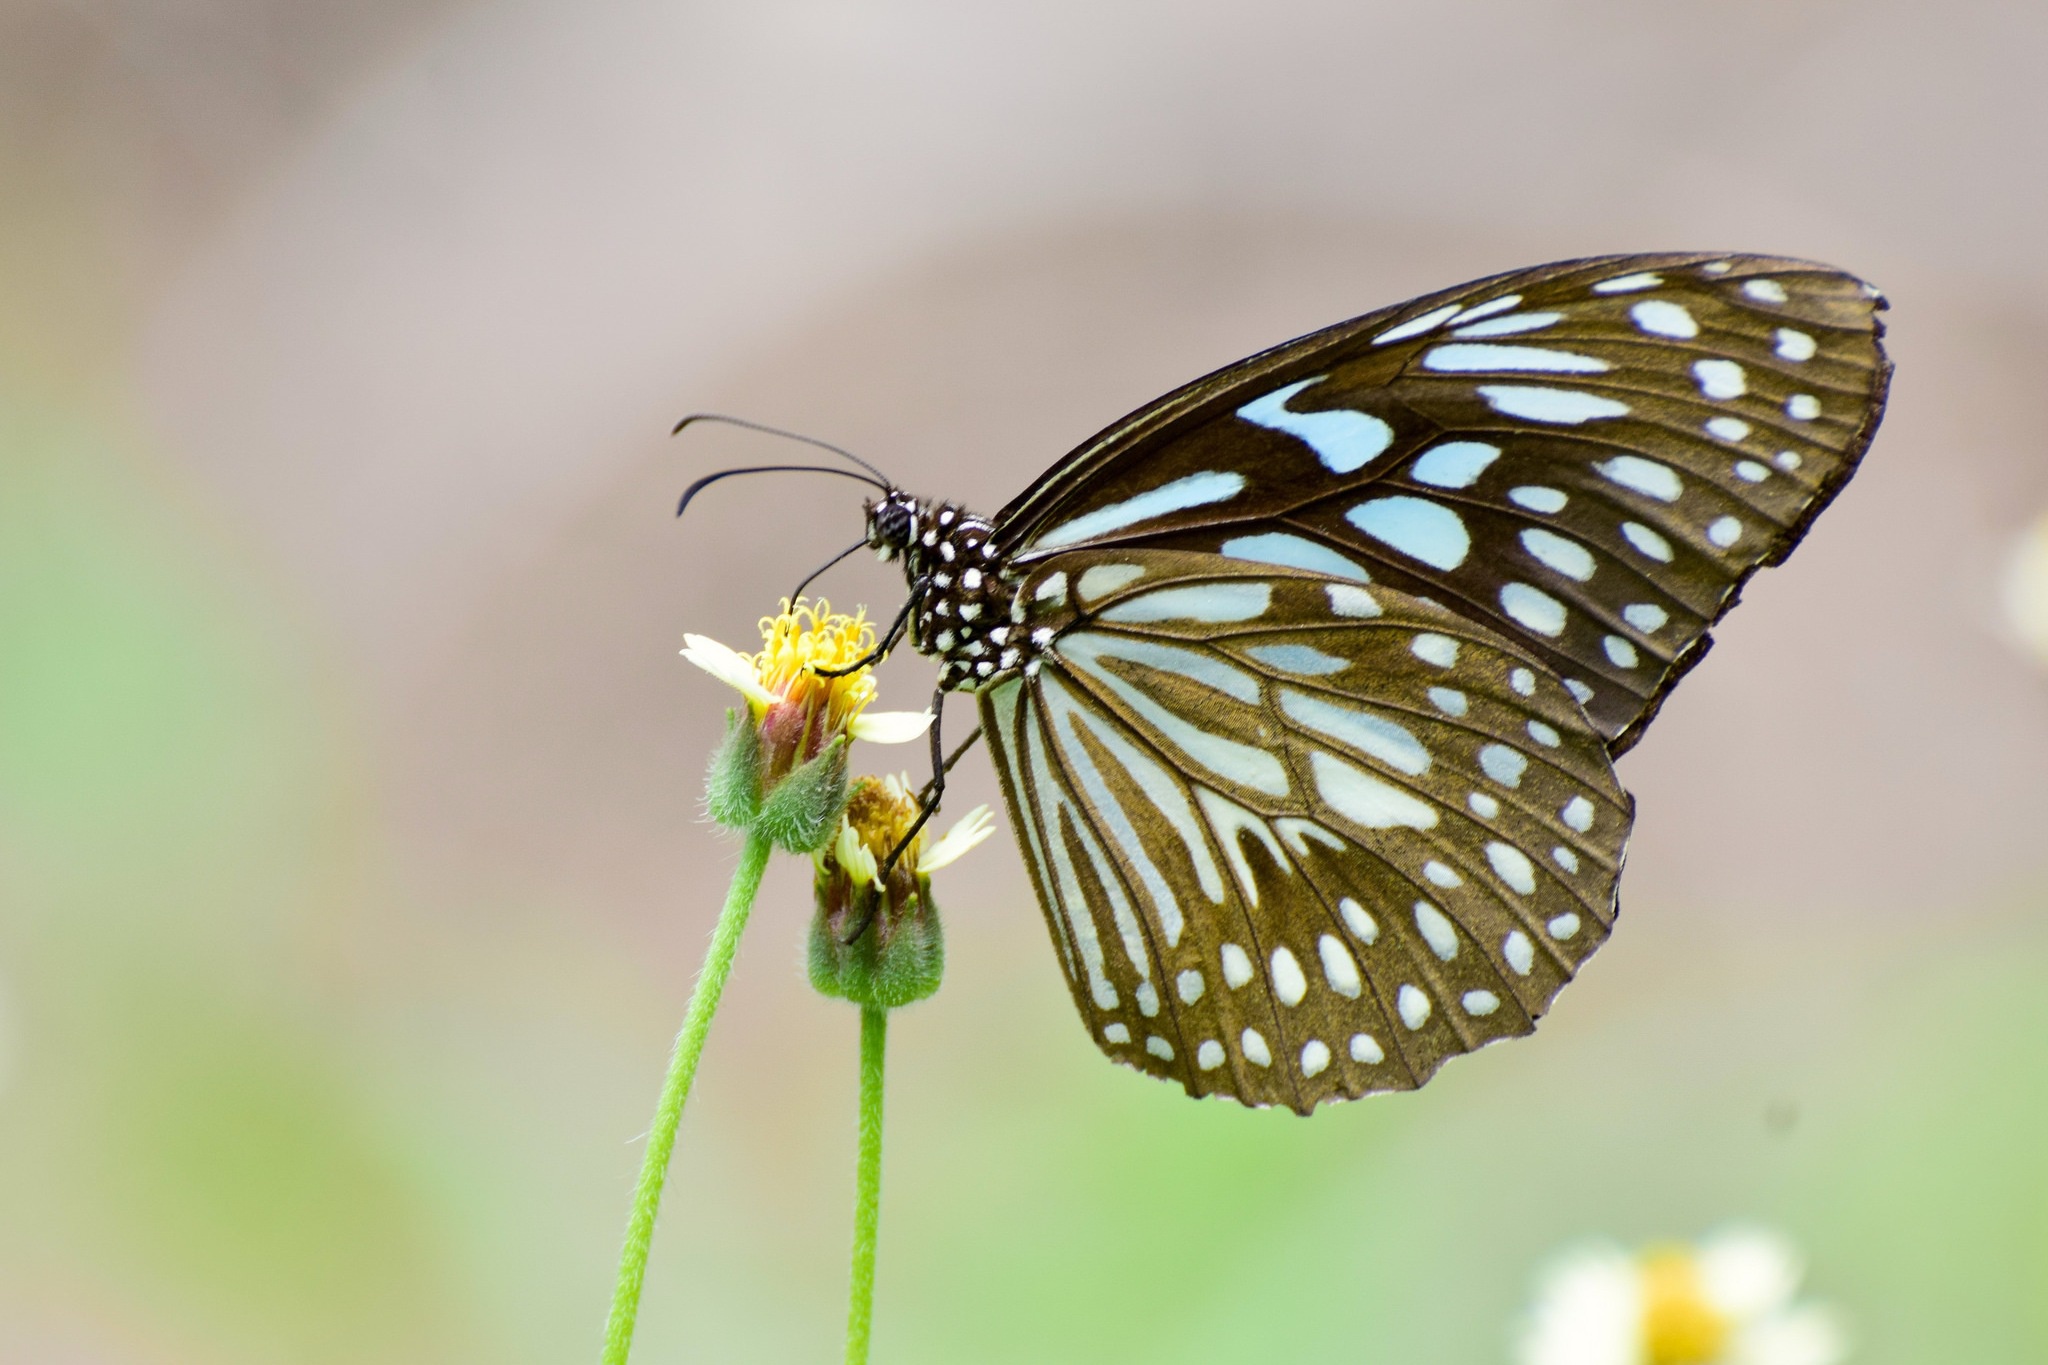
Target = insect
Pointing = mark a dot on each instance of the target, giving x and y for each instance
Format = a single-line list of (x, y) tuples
[(1304, 683)]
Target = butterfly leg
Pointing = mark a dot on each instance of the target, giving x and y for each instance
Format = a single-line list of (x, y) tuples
[(889, 639), (958, 753), (928, 805)]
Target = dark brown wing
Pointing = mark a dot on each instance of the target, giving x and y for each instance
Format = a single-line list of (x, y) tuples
[(1588, 458), (1298, 839)]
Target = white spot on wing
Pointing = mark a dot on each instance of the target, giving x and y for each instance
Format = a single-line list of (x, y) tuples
[(1647, 617), (1553, 551), (1417, 527), (1212, 603), (1338, 968), (1488, 309), (1454, 464), (1431, 648), (1519, 951), (1725, 532), (1366, 1048), (1372, 735), (1365, 799), (1116, 1033), (1315, 1058), (1620, 651), (1764, 291), (1534, 608), (1720, 379), (1537, 498), (1414, 1007), (1253, 1044), (1190, 986), (1416, 326), (1563, 927), (1436, 931), (1483, 806), (1578, 813), (1646, 541), (1503, 765), (1343, 440), (1195, 490), (1511, 325), (1648, 477), (1661, 317), (1346, 600), (1237, 966), (1358, 921), (1103, 579), (1209, 1055), (1464, 357), (1448, 700), (1306, 660), (1795, 345), (1514, 867), (1159, 1048), (1802, 407), (1293, 552), (1727, 428), (1290, 986), (1625, 284), (1562, 407), (1480, 1002)]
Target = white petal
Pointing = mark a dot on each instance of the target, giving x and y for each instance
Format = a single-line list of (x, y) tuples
[(1748, 1271), (854, 858), (729, 666), (1588, 1311), (1800, 1336), (890, 727), (969, 830)]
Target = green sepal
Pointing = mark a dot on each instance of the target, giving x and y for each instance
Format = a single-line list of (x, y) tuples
[(887, 973), (801, 812), (732, 789)]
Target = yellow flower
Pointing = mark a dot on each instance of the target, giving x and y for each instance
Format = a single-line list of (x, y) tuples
[(798, 711), (1727, 1301)]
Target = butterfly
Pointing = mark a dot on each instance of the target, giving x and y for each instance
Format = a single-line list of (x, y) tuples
[(1304, 683)]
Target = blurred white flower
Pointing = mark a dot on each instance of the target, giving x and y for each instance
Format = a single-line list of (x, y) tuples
[(1727, 1301), (2024, 593)]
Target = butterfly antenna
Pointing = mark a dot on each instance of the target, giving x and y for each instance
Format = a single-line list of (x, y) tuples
[(813, 574), (694, 489), (886, 481)]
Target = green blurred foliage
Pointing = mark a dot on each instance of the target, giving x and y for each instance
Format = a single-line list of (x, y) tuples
[(255, 1106)]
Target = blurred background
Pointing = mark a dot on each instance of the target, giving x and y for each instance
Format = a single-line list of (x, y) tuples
[(352, 868)]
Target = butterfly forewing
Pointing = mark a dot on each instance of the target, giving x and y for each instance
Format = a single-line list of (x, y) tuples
[(1298, 838), (1589, 457)]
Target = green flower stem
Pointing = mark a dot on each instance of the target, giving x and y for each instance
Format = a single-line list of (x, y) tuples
[(682, 1069), (867, 1186)]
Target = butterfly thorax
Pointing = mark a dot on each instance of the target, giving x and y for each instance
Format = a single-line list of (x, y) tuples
[(965, 590)]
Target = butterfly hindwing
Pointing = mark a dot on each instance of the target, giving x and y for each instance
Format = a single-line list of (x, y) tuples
[(1298, 838), (1588, 458)]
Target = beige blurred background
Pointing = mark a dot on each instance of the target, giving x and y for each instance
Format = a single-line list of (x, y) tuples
[(352, 872)]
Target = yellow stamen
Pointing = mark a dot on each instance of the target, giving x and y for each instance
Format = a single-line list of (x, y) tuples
[(1680, 1327), (804, 639)]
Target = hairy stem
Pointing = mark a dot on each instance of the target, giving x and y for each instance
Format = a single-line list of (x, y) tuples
[(682, 1069), (867, 1186)]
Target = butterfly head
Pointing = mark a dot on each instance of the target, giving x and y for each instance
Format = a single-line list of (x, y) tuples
[(892, 523)]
